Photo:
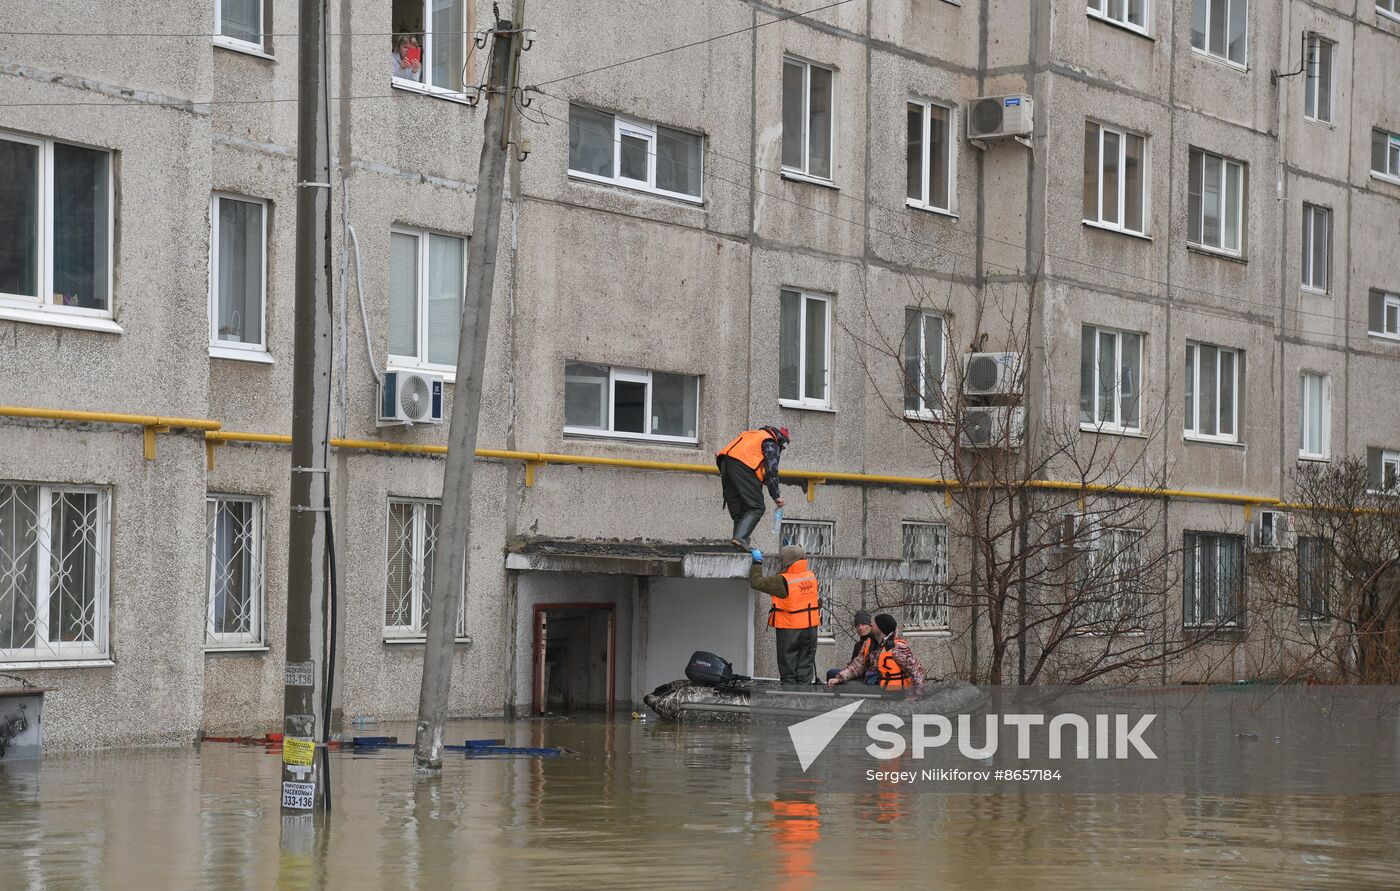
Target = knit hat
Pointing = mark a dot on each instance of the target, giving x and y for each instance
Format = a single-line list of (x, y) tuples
[(862, 617), (790, 554), (886, 623)]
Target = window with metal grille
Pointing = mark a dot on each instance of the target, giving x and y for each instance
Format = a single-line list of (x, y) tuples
[(817, 538), (1314, 578), (234, 560), (1108, 594), (1213, 580), (926, 604), (54, 558), (412, 540)]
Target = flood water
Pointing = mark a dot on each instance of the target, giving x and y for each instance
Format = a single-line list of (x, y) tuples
[(644, 805)]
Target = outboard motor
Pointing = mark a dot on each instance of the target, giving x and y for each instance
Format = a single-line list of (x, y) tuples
[(709, 670)]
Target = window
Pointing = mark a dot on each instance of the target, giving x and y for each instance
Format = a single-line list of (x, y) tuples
[(930, 157), (1383, 470), (1212, 388), (807, 119), (1385, 153), (1317, 87), (1220, 28), (1314, 579), (235, 570), (926, 605), (425, 298), (1313, 410), (923, 363), (1215, 205), (54, 546), (1384, 314), (648, 157), (1110, 378), (630, 402), (239, 24), (804, 348), (55, 226), (817, 538), (431, 44), (1115, 182), (1107, 595), (413, 533), (1317, 247), (1131, 14), (1389, 7), (237, 274), (1213, 579)]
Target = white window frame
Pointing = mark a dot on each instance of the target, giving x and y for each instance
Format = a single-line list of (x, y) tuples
[(802, 172), (1146, 179), (236, 43), (804, 401), (926, 412), (61, 651), (257, 596), (1115, 425), (228, 349), (1311, 212), (468, 45), (917, 617), (1304, 410), (623, 125), (1311, 95), (640, 376), (1193, 424), (1389, 8), (1101, 10), (1392, 155), (1390, 460), (1205, 51), (42, 302), (1240, 215), (418, 363), (1216, 539), (417, 631), (926, 158), (1110, 562), (1390, 309), (789, 532)]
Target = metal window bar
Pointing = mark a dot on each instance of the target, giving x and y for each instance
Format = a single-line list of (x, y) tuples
[(926, 605), (54, 572), (817, 539), (234, 560)]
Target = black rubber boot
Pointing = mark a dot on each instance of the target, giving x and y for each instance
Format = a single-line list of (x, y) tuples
[(744, 527)]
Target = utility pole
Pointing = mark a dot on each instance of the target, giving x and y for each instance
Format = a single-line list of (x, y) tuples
[(450, 556), (304, 771)]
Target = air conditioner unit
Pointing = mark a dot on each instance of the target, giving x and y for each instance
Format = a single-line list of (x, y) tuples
[(992, 374), (1272, 530), (999, 117), (993, 427), (410, 397), (1077, 532)]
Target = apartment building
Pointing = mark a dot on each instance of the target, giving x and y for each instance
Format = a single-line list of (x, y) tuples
[(1206, 202)]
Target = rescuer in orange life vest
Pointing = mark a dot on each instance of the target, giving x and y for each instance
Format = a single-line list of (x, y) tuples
[(795, 613), (746, 465), (893, 661)]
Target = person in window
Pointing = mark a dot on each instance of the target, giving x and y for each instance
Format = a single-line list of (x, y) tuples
[(407, 59), (746, 465), (896, 666)]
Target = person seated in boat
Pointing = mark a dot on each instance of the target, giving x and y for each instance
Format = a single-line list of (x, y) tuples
[(862, 646), (896, 666)]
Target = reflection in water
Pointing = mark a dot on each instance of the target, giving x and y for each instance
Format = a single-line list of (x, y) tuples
[(644, 806)]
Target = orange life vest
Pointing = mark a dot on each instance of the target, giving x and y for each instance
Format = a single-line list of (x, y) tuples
[(892, 674), (801, 608), (747, 449)]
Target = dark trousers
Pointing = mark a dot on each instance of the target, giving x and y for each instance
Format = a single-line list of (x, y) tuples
[(797, 655), (742, 490)]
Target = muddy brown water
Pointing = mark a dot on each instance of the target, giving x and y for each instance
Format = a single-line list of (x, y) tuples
[(644, 806)]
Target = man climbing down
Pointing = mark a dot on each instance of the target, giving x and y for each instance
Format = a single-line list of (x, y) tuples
[(746, 465), (891, 658), (795, 614)]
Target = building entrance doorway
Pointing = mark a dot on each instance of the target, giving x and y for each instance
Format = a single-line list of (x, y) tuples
[(574, 657)]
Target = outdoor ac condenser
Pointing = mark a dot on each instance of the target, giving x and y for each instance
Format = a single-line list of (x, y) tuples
[(1000, 117), (410, 397), (1272, 530), (993, 427), (992, 374)]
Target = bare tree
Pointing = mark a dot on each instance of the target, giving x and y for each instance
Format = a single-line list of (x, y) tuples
[(1063, 573), (1334, 591)]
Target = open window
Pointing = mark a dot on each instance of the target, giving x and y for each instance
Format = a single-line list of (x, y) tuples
[(432, 47)]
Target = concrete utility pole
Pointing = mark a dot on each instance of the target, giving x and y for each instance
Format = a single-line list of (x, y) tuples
[(450, 556), (308, 631)]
